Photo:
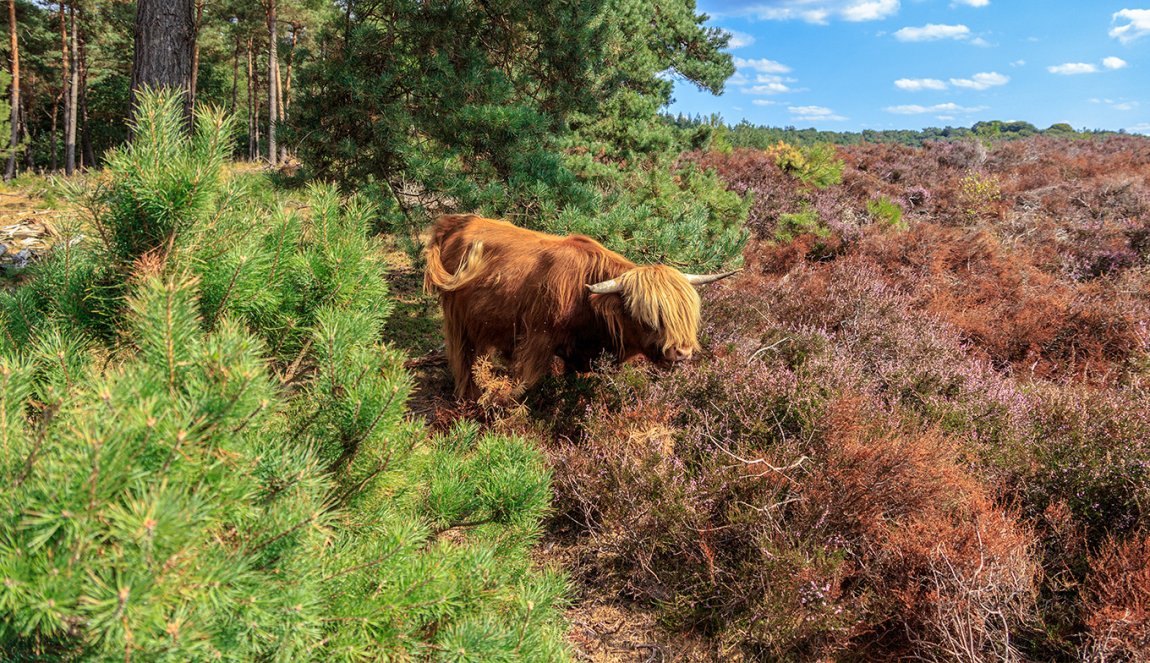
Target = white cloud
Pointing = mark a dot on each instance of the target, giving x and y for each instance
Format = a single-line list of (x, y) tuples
[(917, 84), (819, 12), (762, 102), (972, 3), (981, 81), (739, 39), (933, 32), (1116, 105), (1137, 24), (762, 65), (915, 109), (814, 114), (1018, 63), (767, 88), (766, 79), (1072, 68), (1143, 128), (871, 10)]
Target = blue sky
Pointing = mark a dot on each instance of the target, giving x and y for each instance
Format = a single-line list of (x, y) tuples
[(848, 65)]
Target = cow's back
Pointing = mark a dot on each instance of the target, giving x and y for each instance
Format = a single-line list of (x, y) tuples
[(528, 282)]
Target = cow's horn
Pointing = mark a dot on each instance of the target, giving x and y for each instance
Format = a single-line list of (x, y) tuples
[(605, 287), (703, 279)]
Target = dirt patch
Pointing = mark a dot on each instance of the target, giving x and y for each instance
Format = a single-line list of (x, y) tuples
[(30, 225)]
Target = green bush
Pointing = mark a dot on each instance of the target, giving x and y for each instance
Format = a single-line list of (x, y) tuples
[(886, 212), (803, 222), (817, 165), (228, 472)]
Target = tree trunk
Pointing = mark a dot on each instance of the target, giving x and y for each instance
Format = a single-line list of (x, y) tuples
[(273, 76), (73, 93), (28, 131), (235, 74), (64, 96), (196, 54), (252, 147), (56, 131), (88, 156), (281, 115), (10, 172), (295, 28), (165, 34)]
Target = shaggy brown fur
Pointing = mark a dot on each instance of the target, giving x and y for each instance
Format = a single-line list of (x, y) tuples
[(522, 296)]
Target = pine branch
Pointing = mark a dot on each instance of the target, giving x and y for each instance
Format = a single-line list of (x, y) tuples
[(49, 413)]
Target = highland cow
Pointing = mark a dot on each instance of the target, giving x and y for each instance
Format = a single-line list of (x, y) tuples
[(526, 297)]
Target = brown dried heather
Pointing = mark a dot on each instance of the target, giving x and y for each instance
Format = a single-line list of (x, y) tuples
[(756, 505), (1117, 606)]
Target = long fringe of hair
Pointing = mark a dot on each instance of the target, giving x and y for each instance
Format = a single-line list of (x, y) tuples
[(660, 298)]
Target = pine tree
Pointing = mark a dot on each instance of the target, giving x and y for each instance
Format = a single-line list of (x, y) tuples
[(205, 453)]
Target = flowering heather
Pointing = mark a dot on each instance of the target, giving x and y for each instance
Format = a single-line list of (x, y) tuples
[(925, 442)]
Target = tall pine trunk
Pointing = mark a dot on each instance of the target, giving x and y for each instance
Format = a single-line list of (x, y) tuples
[(253, 147), (87, 154), (273, 76), (10, 172), (56, 131), (165, 36), (73, 93), (295, 28), (64, 68), (196, 53), (235, 74)]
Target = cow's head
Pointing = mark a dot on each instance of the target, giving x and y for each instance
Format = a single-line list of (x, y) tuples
[(657, 313)]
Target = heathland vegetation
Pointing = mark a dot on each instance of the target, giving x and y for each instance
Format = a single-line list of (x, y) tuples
[(919, 427)]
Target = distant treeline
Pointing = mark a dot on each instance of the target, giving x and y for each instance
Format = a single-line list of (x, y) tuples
[(745, 134)]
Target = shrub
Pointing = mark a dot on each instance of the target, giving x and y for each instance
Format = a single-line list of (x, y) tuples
[(232, 476), (978, 195), (804, 222), (886, 212), (816, 166)]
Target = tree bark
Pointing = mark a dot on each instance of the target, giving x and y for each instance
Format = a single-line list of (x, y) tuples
[(10, 172), (295, 28), (65, 98), (273, 76), (56, 131), (87, 154), (196, 53), (165, 35), (73, 93), (253, 148), (235, 74), (281, 114)]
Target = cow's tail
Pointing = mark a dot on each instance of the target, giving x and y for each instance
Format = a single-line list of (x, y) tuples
[(437, 279)]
